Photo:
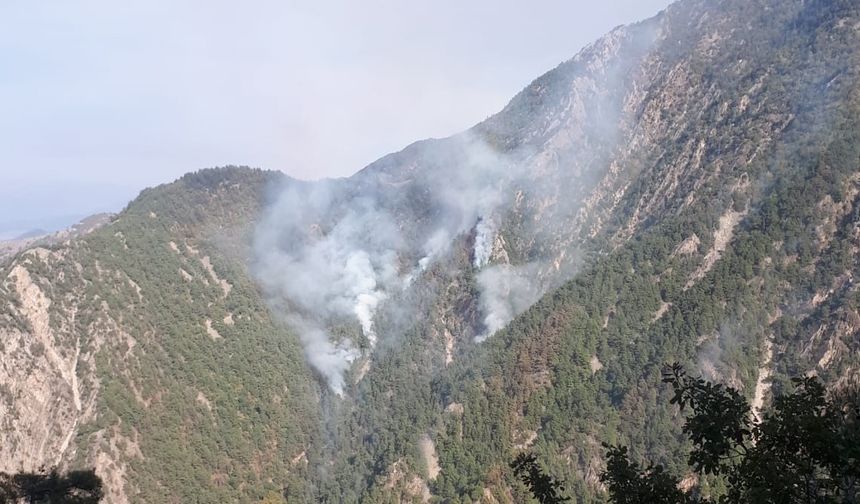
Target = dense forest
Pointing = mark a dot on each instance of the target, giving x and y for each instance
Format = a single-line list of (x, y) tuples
[(716, 226), (582, 366)]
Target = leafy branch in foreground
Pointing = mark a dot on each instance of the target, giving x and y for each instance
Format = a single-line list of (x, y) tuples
[(74, 487), (629, 483), (545, 488), (806, 450)]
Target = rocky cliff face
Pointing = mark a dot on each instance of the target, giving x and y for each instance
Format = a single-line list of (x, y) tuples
[(51, 335), (41, 368), (683, 189)]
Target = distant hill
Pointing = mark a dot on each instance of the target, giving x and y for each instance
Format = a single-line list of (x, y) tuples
[(10, 247), (30, 234)]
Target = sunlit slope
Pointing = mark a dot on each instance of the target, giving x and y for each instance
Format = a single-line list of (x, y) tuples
[(144, 349), (684, 189)]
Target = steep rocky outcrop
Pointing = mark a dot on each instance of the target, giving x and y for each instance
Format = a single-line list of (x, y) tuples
[(111, 358)]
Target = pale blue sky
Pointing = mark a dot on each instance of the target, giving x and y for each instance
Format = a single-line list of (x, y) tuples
[(101, 98)]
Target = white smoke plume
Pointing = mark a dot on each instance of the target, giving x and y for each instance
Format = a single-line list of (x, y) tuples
[(484, 238), (438, 244), (329, 358), (506, 291), (326, 269), (337, 252), (334, 252)]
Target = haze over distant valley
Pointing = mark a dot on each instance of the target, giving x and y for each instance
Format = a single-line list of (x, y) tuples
[(108, 98)]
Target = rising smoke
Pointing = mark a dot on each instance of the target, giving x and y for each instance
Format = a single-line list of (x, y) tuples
[(506, 291), (335, 253), (331, 251), (321, 262), (338, 252)]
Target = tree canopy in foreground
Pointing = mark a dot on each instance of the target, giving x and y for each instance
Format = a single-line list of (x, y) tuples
[(806, 449), (74, 487)]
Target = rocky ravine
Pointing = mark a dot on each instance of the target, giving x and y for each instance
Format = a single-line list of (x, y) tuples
[(48, 374)]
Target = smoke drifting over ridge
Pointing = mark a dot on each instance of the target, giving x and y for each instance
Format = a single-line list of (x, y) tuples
[(332, 252), (331, 255), (318, 268), (506, 291)]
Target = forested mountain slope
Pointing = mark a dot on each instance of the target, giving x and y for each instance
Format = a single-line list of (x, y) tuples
[(685, 188), (144, 350), (706, 206)]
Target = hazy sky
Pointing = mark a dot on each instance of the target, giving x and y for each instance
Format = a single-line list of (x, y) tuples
[(99, 99)]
